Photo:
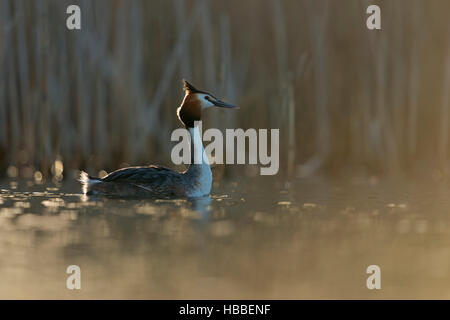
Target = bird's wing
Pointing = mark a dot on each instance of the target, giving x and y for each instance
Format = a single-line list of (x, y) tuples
[(138, 175)]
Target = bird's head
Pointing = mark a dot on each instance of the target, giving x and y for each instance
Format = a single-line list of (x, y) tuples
[(194, 102)]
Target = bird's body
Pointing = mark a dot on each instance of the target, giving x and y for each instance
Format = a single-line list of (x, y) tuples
[(151, 181), (157, 181)]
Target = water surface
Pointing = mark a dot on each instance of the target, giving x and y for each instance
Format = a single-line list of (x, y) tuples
[(253, 239)]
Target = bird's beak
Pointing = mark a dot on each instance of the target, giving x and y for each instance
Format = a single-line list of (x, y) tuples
[(220, 103)]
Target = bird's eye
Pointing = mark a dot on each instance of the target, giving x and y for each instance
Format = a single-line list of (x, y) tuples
[(207, 98)]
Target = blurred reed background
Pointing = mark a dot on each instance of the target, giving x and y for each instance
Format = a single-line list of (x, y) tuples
[(345, 98)]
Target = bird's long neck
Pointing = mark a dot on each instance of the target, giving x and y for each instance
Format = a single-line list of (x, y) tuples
[(199, 171)]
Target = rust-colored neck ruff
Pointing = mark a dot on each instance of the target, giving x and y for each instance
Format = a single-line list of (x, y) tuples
[(190, 110)]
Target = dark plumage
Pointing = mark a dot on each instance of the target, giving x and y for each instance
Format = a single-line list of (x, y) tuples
[(153, 181)]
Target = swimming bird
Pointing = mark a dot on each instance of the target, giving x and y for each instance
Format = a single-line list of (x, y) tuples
[(161, 182)]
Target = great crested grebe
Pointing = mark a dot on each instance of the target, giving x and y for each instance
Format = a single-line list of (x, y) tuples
[(157, 181)]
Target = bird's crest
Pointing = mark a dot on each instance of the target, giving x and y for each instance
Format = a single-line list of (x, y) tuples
[(189, 88)]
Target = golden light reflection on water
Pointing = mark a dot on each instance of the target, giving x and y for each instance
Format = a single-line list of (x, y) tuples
[(303, 240)]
